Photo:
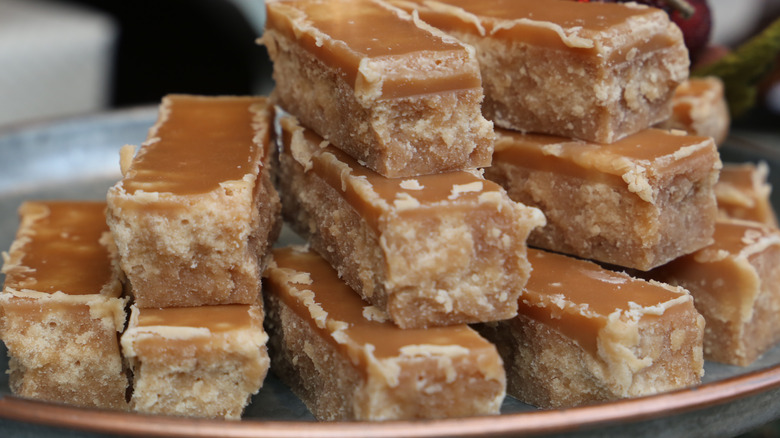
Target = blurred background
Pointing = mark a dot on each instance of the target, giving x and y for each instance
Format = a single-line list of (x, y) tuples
[(69, 57)]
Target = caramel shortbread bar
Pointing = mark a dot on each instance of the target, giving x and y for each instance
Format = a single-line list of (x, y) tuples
[(432, 250), (595, 71), (735, 283), (196, 212), (204, 361), (699, 107), (743, 192), (395, 94), (346, 361), (584, 334), (61, 306), (639, 202)]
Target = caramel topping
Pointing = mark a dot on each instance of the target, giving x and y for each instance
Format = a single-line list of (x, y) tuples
[(578, 297), (739, 238), (698, 87), (742, 192), (746, 178), (351, 35), (374, 196), (585, 28), (723, 274), (694, 93), (198, 143), (648, 152), (216, 319), (60, 249), (337, 312)]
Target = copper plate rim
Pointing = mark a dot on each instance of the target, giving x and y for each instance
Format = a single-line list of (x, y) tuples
[(538, 422)]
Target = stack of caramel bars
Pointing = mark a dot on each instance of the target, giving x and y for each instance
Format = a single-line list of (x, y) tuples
[(474, 182), (188, 231)]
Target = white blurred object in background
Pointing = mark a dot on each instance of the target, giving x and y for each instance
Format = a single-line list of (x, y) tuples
[(734, 21), (55, 60)]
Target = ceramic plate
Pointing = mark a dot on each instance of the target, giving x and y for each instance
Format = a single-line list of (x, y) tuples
[(78, 159)]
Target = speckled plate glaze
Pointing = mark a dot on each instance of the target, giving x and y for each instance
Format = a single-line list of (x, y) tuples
[(78, 159)]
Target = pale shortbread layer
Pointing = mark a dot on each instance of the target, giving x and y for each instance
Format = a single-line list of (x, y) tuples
[(593, 71), (346, 365), (62, 308), (413, 110), (584, 335), (735, 283), (196, 362), (432, 250), (191, 232), (639, 202)]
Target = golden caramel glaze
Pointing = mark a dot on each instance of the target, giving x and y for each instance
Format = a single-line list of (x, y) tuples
[(198, 143), (584, 29), (633, 161), (699, 107), (734, 285), (698, 86), (59, 248), (216, 319), (310, 286), (372, 195), (209, 328), (738, 239), (579, 298), (742, 192), (371, 43)]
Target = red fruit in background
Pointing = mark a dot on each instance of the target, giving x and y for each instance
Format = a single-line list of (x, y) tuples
[(696, 28)]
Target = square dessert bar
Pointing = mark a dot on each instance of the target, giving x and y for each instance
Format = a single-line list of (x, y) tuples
[(699, 107), (347, 362), (432, 250), (204, 361), (595, 71), (636, 203), (392, 92), (735, 283), (61, 306), (196, 212), (584, 334), (743, 192)]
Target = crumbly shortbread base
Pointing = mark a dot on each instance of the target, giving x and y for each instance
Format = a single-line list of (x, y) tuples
[(335, 389), (460, 266), (195, 373), (610, 224), (397, 137), (536, 89), (64, 348), (549, 370)]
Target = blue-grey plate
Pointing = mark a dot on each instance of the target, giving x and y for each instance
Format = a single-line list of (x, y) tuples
[(79, 159)]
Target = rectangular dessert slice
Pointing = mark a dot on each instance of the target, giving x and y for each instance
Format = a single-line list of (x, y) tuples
[(432, 250), (699, 108), (584, 334), (202, 361), (399, 96), (637, 203), (196, 212), (735, 283), (61, 306), (595, 71), (346, 361), (742, 192)]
